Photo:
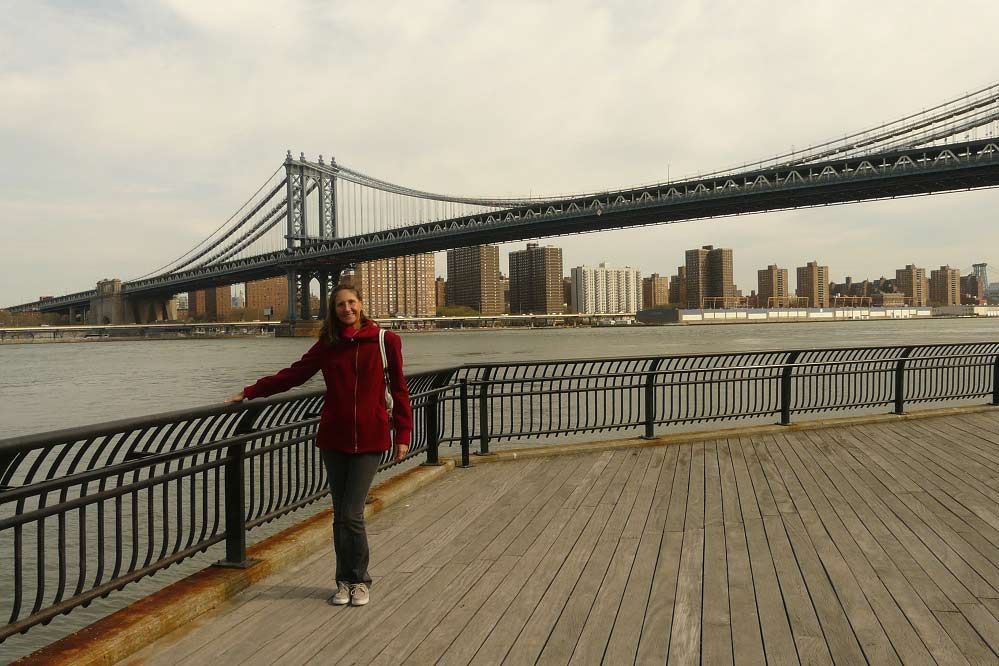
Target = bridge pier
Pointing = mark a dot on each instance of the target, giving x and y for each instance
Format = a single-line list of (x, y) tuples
[(111, 306)]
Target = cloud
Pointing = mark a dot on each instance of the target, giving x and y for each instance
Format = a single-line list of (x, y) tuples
[(134, 129)]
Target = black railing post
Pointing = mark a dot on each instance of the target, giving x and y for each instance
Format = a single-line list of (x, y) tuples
[(650, 399), (900, 380), (433, 439), (463, 399), (484, 412), (785, 388), (235, 496), (995, 382)]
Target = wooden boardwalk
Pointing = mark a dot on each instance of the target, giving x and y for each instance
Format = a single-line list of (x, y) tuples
[(865, 544)]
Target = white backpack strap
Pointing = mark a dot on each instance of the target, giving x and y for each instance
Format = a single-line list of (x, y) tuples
[(389, 402)]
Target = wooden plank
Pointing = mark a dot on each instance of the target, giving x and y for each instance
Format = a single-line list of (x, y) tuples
[(747, 641), (622, 644), (664, 490), (507, 629), (914, 632), (761, 488), (870, 634), (593, 639), (716, 622), (888, 552), (451, 626), (490, 613), (646, 494), (970, 643), (694, 519), (531, 641), (713, 509), (677, 511), (808, 636), (950, 554), (747, 495), (839, 637), (940, 587), (778, 641), (781, 496), (440, 593), (685, 637), (731, 510), (984, 623)]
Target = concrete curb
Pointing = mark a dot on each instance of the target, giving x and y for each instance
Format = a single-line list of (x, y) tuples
[(545, 451), (125, 632)]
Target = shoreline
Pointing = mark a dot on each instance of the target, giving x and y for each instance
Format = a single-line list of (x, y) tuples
[(50, 339)]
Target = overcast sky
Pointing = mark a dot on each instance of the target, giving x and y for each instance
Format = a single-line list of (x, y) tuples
[(131, 130)]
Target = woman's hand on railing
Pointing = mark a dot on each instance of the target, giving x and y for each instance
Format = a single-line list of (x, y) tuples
[(239, 397), (401, 450)]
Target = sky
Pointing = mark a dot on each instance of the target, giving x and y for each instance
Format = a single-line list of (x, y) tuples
[(131, 130)]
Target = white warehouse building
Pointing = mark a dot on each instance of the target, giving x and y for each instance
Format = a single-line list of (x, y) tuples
[(606, 290)]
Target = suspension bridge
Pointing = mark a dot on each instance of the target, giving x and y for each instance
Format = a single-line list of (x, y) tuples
[(313, 219)]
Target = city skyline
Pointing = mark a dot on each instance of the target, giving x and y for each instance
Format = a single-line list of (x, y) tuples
[(141, 168)]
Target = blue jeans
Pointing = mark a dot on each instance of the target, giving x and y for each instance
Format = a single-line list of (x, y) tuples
[(350, 476)]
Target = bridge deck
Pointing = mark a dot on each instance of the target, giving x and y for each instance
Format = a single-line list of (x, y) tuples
[(876, 543)]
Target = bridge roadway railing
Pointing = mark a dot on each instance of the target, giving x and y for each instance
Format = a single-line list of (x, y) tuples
[(85, 511)]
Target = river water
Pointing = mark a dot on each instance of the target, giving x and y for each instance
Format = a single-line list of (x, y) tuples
[(51, 386)]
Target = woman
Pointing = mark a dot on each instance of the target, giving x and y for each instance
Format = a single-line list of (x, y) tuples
[(354, 429)]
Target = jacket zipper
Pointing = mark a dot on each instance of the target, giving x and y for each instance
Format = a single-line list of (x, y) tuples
[(356, 349)]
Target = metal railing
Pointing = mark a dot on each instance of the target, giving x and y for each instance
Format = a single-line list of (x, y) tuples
[(85, 511)]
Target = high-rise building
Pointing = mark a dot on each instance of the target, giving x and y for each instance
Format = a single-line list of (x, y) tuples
[(945, 286), (439, 293), (218, 303), (655, 291), (605, 290), (813, 284), (912, 282), (678, 287), (400, 286), (196, 304), (473, 279), (772, 287), (505, 289), (567, 295), (709, 276), (267, 299), (536, 280)]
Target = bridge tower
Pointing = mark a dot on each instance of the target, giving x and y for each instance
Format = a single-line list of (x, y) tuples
[(303, 179)]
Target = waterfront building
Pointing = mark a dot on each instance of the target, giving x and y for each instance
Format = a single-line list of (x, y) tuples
[(267, 299), (605, 290), (972, 290), (709, 275), (473, 279), (567, 295), (890, 299), (536, 280), (912, 282), (655, 291), (945, 286), (772, 287), (440, 289), (678, 287), (813, 284), (400, 286), (218, 303)]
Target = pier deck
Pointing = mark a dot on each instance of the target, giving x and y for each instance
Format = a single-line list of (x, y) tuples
[(863, 544)]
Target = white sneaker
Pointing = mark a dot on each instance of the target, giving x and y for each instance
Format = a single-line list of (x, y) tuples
[(342, 596), (358, 594)]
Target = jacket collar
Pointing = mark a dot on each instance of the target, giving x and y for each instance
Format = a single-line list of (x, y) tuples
[(368, 330)]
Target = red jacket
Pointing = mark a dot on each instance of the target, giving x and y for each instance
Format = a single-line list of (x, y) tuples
[(354, 419)]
